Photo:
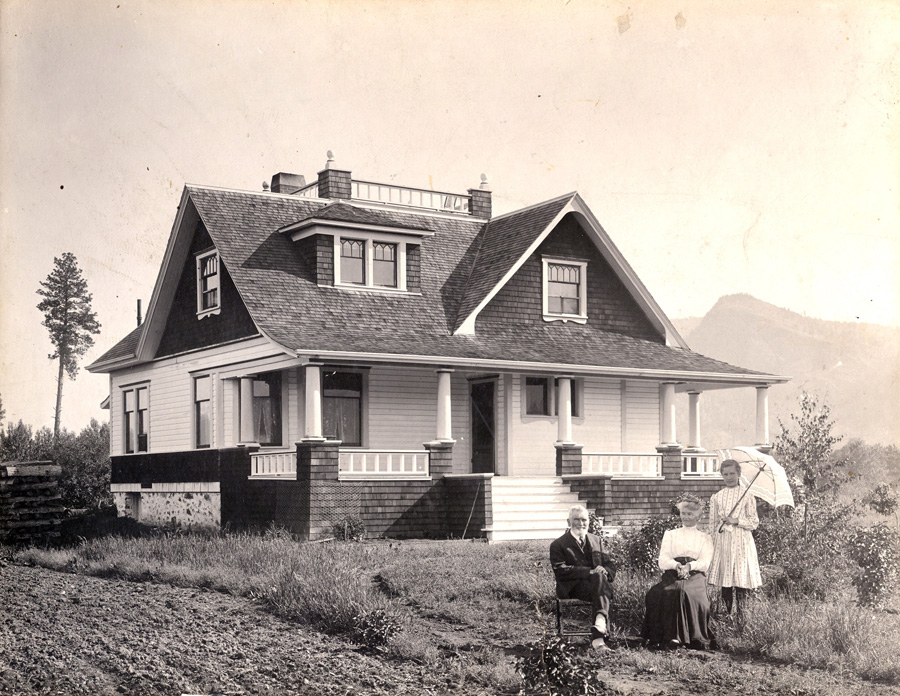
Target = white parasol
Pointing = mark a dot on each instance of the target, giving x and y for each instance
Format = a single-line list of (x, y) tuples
[(761, 475)]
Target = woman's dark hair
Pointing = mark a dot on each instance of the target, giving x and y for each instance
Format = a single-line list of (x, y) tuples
[(730, 463)]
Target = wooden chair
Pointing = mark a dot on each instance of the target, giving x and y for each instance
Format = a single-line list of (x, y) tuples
[(560, 619)]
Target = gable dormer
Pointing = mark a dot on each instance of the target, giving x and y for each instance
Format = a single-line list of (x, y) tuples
[(355, 248)]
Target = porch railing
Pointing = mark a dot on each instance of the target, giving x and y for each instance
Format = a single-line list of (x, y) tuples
[(700, 465), (274, 463), (412, 197), (356, 464), (352, 464), (624, 464)]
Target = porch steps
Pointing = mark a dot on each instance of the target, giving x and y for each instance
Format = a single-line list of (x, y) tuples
[(526, 507)]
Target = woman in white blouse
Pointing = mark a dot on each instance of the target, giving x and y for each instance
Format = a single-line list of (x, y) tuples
[(677, 607)]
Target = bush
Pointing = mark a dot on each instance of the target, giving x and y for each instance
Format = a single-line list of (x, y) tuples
[(638, 549), (351, 528), (551, 668), (374, 629), (875, 550)]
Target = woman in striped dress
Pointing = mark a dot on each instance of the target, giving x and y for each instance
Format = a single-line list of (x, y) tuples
[(734, 566)]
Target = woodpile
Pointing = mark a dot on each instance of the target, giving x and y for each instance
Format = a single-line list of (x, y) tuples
[(30, 506)]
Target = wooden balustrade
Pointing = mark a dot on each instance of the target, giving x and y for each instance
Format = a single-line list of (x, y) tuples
[(622, 464)]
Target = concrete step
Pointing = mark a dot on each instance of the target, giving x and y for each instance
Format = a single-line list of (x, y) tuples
[(529, 499), (547, 533), (513, 481), (551, 515)]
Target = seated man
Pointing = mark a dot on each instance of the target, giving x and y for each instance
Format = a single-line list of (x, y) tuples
[(584, 572)]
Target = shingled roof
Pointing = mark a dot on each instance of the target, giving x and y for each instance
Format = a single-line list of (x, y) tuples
[(460, 263)]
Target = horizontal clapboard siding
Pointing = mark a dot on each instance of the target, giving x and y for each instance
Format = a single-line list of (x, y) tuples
[(171, 392), (600, 428), (642, 416), (402, 407)]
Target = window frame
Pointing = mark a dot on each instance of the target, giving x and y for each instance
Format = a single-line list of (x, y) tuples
[(136, 427), (196, 411), (370, 240), (363, 403), (547, 396), (276, 394), (579, 318), (203, 312)]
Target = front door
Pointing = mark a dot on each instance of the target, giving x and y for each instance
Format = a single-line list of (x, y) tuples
[(481, 399)]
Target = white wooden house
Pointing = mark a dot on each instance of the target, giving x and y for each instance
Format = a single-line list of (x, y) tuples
[(312, 352)]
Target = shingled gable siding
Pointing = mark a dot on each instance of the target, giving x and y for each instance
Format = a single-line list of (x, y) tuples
[(609, 304), (184, 331)]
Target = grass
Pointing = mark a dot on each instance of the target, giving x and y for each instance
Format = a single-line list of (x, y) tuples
[(467, 607)]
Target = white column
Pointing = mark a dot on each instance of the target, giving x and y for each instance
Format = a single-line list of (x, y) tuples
[(444, 420), (564, 410), (248, 434), (667, 396), (313, 420), (694, 420), (762, 415)]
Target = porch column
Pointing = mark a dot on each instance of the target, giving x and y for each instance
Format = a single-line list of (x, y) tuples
[(312, 429), (667, 398), (694, 420), (762, 415), (248, 434), (444, 419), (564, 411)]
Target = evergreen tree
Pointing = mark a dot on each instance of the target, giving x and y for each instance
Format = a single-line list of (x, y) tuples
[(69, 320)]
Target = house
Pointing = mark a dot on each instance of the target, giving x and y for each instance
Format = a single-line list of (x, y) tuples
[(345, 348)]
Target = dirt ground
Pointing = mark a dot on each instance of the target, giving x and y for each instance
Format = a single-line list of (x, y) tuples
[(62, 633)]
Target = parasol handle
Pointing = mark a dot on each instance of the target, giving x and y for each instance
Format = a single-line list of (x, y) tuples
[(746, 490)]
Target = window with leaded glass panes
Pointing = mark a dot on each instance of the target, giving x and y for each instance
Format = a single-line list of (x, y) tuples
[(384, 265), (208, 285), (563, 289), (353, 261)]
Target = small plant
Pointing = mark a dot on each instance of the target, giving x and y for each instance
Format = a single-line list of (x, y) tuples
[(374, 629), (639, 548), (875, 550), (551, 668), (350, 528)]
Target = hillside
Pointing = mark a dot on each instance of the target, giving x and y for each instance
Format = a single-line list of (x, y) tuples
[(854, 368)]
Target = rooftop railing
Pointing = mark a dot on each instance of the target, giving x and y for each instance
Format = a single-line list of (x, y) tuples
[(410, 197)]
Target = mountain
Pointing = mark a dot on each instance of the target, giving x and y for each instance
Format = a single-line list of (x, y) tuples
[(852, 367)]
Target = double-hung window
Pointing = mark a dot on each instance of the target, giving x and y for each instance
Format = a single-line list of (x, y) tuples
[(342, 400), (208, 286), (267, 409), (564, 290), (203, 411), (370, 263), (137, 419), (537, 396)]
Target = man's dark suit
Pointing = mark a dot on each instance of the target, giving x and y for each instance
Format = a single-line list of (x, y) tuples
[(572, 567)]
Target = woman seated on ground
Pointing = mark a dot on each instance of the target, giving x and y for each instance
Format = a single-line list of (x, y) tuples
[(677, 607)]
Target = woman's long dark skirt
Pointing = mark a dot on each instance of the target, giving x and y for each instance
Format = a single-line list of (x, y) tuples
[(678, 610)]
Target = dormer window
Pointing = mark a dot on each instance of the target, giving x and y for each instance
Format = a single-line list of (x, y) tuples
[(208, 296), (372, 263), (565, 290), (353, 261)]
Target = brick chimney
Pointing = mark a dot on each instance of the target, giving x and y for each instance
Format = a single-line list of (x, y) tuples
[(287, 183), (334, 183), (481, 200)]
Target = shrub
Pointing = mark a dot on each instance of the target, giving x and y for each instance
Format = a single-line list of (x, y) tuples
[(550, 667), (374, 629), (638, 549), (875, 550), (350, 528)]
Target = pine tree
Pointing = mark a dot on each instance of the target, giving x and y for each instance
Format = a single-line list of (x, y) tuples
[(69, 320)]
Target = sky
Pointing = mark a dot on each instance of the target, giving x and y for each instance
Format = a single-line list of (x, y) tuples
[(741, 147)]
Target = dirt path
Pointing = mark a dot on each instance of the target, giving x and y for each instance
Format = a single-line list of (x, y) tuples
[(72, 634)]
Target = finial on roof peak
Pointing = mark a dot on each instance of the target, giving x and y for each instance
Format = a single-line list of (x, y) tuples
[(330, 163)]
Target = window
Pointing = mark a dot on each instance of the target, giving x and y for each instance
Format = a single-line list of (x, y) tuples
[(564, 286), (353, 261), (137, 419), (267, 409), (384, 270), (202, 411), (208, 300), (537, 401), (370, 263), (342, 406), (576, 398)]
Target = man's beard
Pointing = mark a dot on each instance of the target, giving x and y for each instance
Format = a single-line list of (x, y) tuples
[(578, 534)]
